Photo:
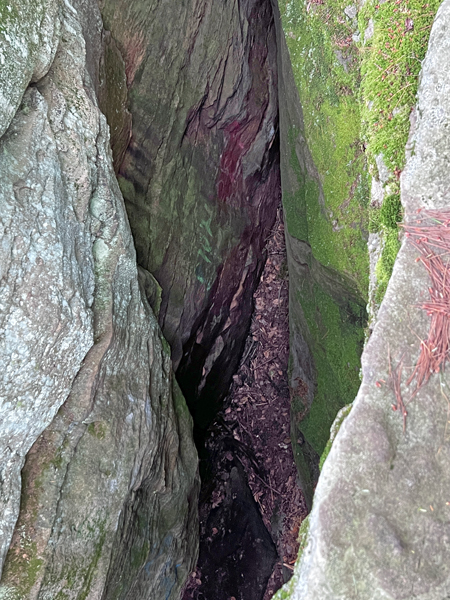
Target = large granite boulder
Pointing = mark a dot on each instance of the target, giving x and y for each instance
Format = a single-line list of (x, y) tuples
[(379, 527), (95, 438)]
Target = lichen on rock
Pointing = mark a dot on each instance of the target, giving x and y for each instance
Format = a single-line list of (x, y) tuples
[(88, 394)]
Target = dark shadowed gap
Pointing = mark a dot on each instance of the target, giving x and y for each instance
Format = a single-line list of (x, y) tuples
[(251, 506), (205, 394)]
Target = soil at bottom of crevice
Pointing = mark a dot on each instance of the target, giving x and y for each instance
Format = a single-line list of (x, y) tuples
[(251, 506)]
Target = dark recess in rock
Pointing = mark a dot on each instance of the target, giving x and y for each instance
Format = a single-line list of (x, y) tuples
[(205, 394), (238, 556)]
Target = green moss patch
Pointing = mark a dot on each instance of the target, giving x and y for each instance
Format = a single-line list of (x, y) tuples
[(357, 76), (328, 208), (385, 265), (337, 338), (326, 71), (390, 71), (390, 67)]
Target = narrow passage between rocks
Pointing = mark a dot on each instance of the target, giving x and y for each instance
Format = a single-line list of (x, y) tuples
[(251, 506)]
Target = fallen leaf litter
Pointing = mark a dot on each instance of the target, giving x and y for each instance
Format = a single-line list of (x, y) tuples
[(257, 414)]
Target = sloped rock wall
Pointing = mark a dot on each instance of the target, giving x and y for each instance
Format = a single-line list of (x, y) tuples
[(326, 311), (89, 409), (379, 527), (200, 176)]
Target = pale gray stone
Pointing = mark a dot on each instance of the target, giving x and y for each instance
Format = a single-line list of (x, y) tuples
[(383, 172), (29, 37), (370, 29), (89, 409), (351, 11), (379, 527)]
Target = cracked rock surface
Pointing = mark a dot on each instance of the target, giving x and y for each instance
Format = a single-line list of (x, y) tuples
[(98, 473), (200, 176)]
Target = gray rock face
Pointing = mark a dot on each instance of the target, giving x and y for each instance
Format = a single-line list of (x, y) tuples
[(29, 37), (87, 394), (379, 527), (200, 176)]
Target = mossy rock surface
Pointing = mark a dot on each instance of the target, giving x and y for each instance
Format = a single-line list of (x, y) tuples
[(323, 183), (385, 483)]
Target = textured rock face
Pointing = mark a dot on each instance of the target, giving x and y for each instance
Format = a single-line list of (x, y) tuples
[(379, 527), (29, 33), (109, 484), (200, 176), (326, 312)]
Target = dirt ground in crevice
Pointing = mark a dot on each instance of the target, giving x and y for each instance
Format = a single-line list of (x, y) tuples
[(255, 424)]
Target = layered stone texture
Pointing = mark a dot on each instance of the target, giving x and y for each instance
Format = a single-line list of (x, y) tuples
[(379, 527), (95, 438), (200, 176)]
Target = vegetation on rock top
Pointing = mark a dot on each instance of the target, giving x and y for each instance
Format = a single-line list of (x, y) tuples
[(356, 70), (394, 37), (330, 211)]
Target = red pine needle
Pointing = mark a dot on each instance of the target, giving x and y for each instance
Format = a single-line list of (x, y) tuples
[(426, 237)]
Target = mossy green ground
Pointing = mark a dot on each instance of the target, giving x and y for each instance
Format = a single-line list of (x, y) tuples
[(355, 96)]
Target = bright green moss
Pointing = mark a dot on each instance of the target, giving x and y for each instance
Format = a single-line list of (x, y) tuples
[(391, 211), (385, 265), (390, 70), (374, 220), (327, 77), (329, 211), (337, 339)]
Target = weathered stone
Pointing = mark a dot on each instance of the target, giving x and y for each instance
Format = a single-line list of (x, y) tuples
[(200, 177), (370, 30), (109, 488), (379, 527), (351, 11), (29, 37)]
